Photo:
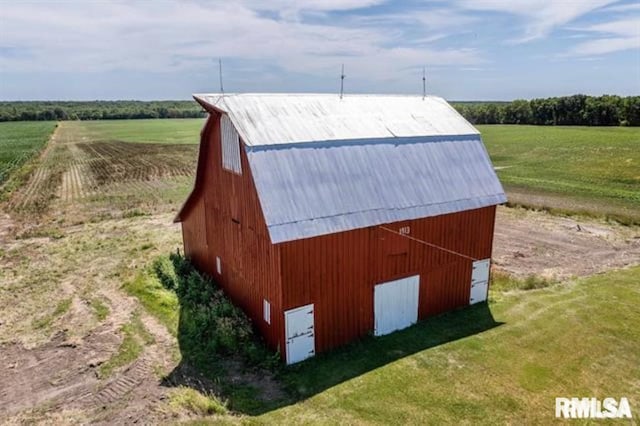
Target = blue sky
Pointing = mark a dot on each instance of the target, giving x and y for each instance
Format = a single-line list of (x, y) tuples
[(472, 49)]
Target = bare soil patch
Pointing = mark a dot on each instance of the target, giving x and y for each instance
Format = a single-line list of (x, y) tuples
[(539, 243)]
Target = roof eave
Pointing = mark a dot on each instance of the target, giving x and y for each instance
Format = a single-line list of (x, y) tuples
[(208, 106)]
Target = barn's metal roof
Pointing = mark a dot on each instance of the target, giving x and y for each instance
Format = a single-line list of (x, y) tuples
[(314, 189), (323, 165), (326, 117)]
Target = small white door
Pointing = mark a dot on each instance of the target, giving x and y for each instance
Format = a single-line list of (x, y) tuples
[(396, 304), (479, 281), (299, 325)]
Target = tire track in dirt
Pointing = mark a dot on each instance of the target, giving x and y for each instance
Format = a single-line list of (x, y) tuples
[(63, 374)]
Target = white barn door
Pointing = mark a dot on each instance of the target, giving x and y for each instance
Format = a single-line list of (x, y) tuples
[(479, 281), (396, 304), (299, 326)]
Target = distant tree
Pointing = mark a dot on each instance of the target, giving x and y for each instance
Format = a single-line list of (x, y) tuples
[(603, 111), (518, 112), (631, 108)]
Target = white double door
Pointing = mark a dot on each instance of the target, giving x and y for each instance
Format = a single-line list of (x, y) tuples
[(396, 304)]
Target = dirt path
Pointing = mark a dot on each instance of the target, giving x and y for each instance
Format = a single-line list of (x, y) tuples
[(59, 266), (55, 367), (556, 247)]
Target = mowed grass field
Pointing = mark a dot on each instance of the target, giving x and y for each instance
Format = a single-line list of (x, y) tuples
[(165, 131), (594, 170), (19, 141)]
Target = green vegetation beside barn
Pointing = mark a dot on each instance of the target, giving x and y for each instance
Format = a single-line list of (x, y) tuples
[(503, 362)]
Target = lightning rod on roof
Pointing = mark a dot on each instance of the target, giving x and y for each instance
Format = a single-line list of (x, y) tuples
[(220, 74), (424, 83), (342, 82)]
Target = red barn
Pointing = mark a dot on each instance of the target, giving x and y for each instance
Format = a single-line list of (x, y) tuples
[(327, 218)]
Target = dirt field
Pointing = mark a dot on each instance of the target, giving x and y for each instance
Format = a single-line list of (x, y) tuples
[(93, 214), (539, 243)]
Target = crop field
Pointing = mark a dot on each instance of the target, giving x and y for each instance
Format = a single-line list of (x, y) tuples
[(92, 161), (19, 142), (89, 335), (166, 131), (594, 170)]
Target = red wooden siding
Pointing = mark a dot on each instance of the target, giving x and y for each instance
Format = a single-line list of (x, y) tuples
[(338, 272), (193, 233), (235, 231)]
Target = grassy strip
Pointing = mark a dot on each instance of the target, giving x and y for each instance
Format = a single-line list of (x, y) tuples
[(502, 281), (135, 337), (61, 308), (196, 403), (100, 309), (19, 143), (158, 301)]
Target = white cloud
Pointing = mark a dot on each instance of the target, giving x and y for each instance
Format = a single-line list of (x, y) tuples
[(174, 35), (540, 17), (605, 45), (623, 8), (622, 34)]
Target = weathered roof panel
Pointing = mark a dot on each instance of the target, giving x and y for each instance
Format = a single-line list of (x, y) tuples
[(320, 188), (278, 118)]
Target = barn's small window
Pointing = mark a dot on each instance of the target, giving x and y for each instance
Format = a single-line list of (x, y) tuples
[(230, 146), (266, 308), (218, 265)]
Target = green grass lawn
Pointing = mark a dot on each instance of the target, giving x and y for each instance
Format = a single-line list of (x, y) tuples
[(504, 363), (590, 169), (19, 141), (169, 131), (496, 363)]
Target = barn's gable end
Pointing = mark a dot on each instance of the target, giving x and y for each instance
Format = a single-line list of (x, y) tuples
[(226, 237)]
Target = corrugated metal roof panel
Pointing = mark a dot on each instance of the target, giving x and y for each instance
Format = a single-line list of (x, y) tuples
[(320, 188), (267, 119)]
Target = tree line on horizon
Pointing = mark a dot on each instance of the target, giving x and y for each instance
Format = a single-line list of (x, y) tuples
[(577, 110), (97, 110)]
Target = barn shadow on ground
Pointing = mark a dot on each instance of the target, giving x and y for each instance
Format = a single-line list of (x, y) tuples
[(254, 392)]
